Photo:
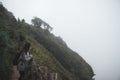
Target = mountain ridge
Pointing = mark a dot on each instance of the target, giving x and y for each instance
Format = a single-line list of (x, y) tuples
[(49, 50)]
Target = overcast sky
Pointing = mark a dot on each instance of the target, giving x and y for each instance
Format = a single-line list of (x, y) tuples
[(89, 27)]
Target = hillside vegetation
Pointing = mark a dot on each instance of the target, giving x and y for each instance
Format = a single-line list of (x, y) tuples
[(49, 50)]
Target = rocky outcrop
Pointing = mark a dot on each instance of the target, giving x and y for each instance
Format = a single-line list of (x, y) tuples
[(39, 72)]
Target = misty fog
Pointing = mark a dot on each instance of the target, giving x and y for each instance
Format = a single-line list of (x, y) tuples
[(89, 27)]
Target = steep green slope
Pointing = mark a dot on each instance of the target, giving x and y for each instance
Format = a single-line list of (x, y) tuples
[(49, 50)]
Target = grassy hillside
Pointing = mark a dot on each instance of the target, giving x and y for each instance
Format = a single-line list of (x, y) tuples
[(49, 50)]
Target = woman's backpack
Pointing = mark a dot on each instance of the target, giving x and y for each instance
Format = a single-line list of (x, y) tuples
[(23, 61)]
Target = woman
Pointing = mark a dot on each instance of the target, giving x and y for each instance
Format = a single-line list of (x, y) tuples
[(21, 61)]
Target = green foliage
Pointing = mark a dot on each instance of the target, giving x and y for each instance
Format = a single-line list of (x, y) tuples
[(37, 22), (5, 56)]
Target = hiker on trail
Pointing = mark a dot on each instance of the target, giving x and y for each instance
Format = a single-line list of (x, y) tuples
[(21, 61)]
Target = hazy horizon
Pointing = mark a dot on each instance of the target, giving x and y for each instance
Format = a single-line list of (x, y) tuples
[(89, 27)]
